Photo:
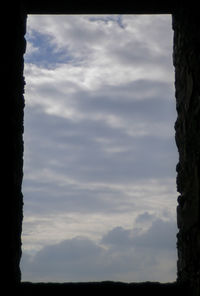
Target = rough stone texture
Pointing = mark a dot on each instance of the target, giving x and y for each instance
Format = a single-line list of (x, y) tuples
[(104, 288), (12, 169), (186, 25), (100, 6)]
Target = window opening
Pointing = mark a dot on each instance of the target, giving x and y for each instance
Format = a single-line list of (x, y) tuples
[(99, 171)]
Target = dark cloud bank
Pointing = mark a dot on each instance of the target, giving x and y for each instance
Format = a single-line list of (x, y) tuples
[(121, 254)]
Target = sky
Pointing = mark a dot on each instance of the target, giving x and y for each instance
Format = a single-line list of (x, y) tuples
[(100, 156)]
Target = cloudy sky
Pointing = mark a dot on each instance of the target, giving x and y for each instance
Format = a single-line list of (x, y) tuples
[(100, 156)]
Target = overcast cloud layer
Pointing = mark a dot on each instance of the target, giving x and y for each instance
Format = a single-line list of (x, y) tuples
[(99, 183)]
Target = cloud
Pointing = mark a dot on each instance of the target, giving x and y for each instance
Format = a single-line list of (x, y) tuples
[(160, 235), (66, 260), (91, 43), (121, 252), (118, 237), (144, 218), (92, 151), (99, 146)]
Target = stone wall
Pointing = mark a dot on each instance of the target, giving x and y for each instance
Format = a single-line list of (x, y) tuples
[(13, 45), (186, 25)]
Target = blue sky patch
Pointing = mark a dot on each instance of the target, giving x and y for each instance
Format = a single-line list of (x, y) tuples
[(46, 55)]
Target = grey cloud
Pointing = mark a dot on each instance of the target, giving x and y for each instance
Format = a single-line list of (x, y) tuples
[(52, 198), (145, 218), (137, 53), (118, 237), (160, 235), (70, 150), (74, 250), (140, 100), (70, 260), (81, 259), (74, 143), (145, 99)]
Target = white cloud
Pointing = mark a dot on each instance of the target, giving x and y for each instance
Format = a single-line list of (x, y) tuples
[(30, 48), (140, 45), (124, 106)]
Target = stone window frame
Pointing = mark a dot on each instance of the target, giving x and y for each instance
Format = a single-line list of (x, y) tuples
[(186, 50)]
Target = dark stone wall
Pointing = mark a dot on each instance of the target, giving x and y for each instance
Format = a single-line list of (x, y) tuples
[(13, 44), (186, 25), (104, 288), (100, 6)]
